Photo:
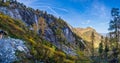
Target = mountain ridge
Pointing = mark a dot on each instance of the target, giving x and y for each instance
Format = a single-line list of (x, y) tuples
[(42, 32)]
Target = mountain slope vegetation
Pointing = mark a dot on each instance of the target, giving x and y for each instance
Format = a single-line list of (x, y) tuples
[(49, 39)]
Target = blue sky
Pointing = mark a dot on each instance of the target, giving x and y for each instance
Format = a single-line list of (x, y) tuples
[(78, 13)]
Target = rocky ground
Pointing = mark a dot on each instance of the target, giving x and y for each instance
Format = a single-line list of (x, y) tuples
[(8, 48)]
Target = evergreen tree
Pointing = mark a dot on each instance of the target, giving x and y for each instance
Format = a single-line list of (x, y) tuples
[(114, 24), (114, 27), (101, 46), (100, 50), (92, 40), (106, 48)]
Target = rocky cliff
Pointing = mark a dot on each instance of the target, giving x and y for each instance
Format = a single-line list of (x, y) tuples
[(8, 47)]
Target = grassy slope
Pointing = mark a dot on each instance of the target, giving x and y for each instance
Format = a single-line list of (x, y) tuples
[(39, 48)]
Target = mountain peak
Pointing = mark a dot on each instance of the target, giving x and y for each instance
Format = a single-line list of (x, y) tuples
[(89, 28), (85, 33)]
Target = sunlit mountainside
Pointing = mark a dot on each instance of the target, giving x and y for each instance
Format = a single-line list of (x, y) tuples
[(85, 33), (32, 35)]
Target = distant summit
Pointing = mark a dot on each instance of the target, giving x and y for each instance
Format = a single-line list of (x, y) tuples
[(85, 33)]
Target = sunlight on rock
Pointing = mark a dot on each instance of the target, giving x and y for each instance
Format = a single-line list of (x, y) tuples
[(7, 50)]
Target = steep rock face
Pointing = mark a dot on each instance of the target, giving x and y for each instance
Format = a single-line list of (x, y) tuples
[(55, 29), (68, 34), (8, 48), (85, 33), (29, 17)]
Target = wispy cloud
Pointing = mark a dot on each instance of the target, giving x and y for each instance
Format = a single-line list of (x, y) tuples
[(62, 9), (98, 14), (99, 10), (49, 8), (79, 0), (27, 2), (86, 22), (44, 6), (53, 10)]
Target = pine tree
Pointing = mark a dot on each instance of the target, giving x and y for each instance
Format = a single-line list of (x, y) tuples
[(106, 48), (114, 27), (92, 40), (114, 24), (100, 50), (101, 46)]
